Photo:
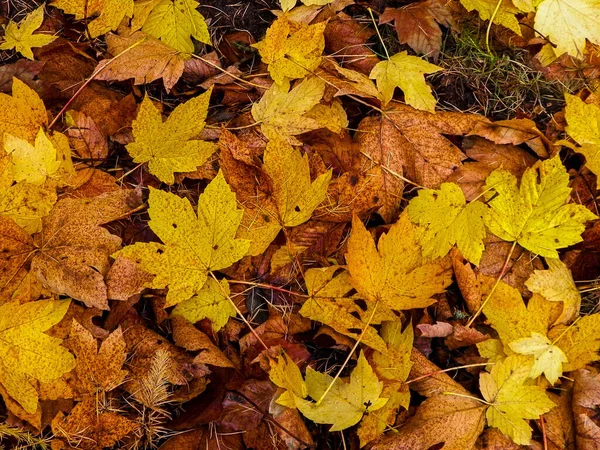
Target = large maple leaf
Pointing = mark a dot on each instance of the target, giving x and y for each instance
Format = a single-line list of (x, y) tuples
[(193, 245), (394, 272), (20, 36), (535, 214)]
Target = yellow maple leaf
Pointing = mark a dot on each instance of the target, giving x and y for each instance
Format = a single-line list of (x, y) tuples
[(511, 318), (193, 245), (20, 36), (106, 15), (282, 113), (33, 164), (286, 374), (513, 400), (446, 219), (296, 197), (579, 341), (212, 302), (346, 403), (23, 113), (535, 214), (175, 22), (292, 50), (548, 358), (568, 23), (583, 125), (27, 204), (505, 15), (557, 285), (169, 146), (330, 303), (394, 273), (26, 352), (406, 72)]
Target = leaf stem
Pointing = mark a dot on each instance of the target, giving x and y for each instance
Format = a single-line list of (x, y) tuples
[(502, 273), (489, 27), (378, 34), (480, 400), (437, 372), (252, 330), (268, 286), (337, 375), (241, 80)]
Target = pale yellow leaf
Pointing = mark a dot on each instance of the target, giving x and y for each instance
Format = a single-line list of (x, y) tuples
[(20, 36)]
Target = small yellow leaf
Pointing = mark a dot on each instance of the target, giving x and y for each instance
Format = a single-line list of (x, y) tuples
[(568, 23), (292, 50), (170, 146), (446, 219), (23, 113), (548, 358), (26, 352), (505, 15), (513, 401), (406, 72), (346, 403), (27, 204), (557, 285), (394, 273), (32, 164), (583, 125), (174, 21), (20, 36), (193, 245), (212, 302), (286, 374), (536, 213), (282, 113), (295, 195), (106, 15)]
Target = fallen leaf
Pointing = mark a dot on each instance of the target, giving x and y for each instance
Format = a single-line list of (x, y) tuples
[(193, 245), (376, 271), (568, 23), (29, 353), (503, 15), (283, 113), (141, 57), (98, 369), (106, 15), (176, 23), (580, 341), (345, 403), (512, 400), (27, 204), (416, 24), (556, 285), (291, 50), (584, 126), (547, 357), (536, 214), (20, 36), (331, 303), (437, 330), (33, 164), (23, 113), (296, 197), (406, 72), (170, 146), (73, 250), (445, 220), (586, 398)]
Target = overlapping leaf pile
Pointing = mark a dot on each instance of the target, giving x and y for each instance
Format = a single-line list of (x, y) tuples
[(270, 246)]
